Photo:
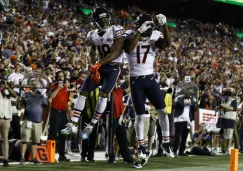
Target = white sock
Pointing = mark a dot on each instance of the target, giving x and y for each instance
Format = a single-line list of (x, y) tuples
[(139, 128), (66, 145), (164, 124), (79, 106), (69, 146), (100, 108), (80, 148)]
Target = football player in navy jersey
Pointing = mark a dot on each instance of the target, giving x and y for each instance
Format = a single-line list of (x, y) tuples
[(140, 47), (108, 40)]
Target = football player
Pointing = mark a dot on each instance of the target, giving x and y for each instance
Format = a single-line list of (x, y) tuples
[(140, 47), (108, 40)]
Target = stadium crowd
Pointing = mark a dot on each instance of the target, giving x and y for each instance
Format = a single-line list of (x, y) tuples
[(49, 37)]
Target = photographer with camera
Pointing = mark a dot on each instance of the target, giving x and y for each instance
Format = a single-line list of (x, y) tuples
[(227, 119), (200, 140), (5, 117)]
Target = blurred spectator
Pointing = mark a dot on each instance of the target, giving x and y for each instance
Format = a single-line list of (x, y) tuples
[(227, 118), (184, 114), (5, 117), (31, 127)]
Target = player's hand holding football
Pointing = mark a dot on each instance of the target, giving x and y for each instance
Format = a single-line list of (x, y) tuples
[(161, 19), (146, 25), (95, 75)]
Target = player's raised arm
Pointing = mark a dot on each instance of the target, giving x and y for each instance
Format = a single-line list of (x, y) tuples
[(130, 44), (164, 42)]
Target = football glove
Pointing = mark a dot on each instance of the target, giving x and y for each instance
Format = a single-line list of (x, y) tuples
[(96, 77), (146, 25), (161, 19), (95, 68)]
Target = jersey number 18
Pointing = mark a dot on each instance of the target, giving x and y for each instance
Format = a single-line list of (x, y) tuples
[(104, 50)]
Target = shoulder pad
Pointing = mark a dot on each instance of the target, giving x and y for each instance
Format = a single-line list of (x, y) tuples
[(129, 34), (118, 31)]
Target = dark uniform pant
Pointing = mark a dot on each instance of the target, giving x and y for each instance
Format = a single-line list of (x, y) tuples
[(143, 87), (109, 75)]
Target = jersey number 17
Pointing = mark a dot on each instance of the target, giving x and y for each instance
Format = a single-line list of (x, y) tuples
[(146, 47)]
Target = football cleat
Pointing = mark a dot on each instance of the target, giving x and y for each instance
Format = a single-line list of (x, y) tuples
[(143, 155), (167, 150), (137, 165), (70, 128), (87, 131)]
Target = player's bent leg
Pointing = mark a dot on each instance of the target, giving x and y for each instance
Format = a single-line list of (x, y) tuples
[(165, 128), (100, 108), (80, 103), (87, 87)]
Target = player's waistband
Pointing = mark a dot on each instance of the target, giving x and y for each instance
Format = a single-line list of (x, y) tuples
[(143, 76), (116, 63)]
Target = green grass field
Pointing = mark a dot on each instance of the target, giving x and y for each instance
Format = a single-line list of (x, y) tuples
[(192, 163)]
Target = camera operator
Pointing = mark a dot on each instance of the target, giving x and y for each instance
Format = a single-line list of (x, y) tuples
[(227, 118), (200, 140), (5, 117)]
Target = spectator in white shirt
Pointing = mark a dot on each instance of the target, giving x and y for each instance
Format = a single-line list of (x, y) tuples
[(16, 76), (5, 117)]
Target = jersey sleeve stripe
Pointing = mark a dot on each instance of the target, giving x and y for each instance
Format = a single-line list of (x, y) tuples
[(118, 33), (121, 35), (122, 30)]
